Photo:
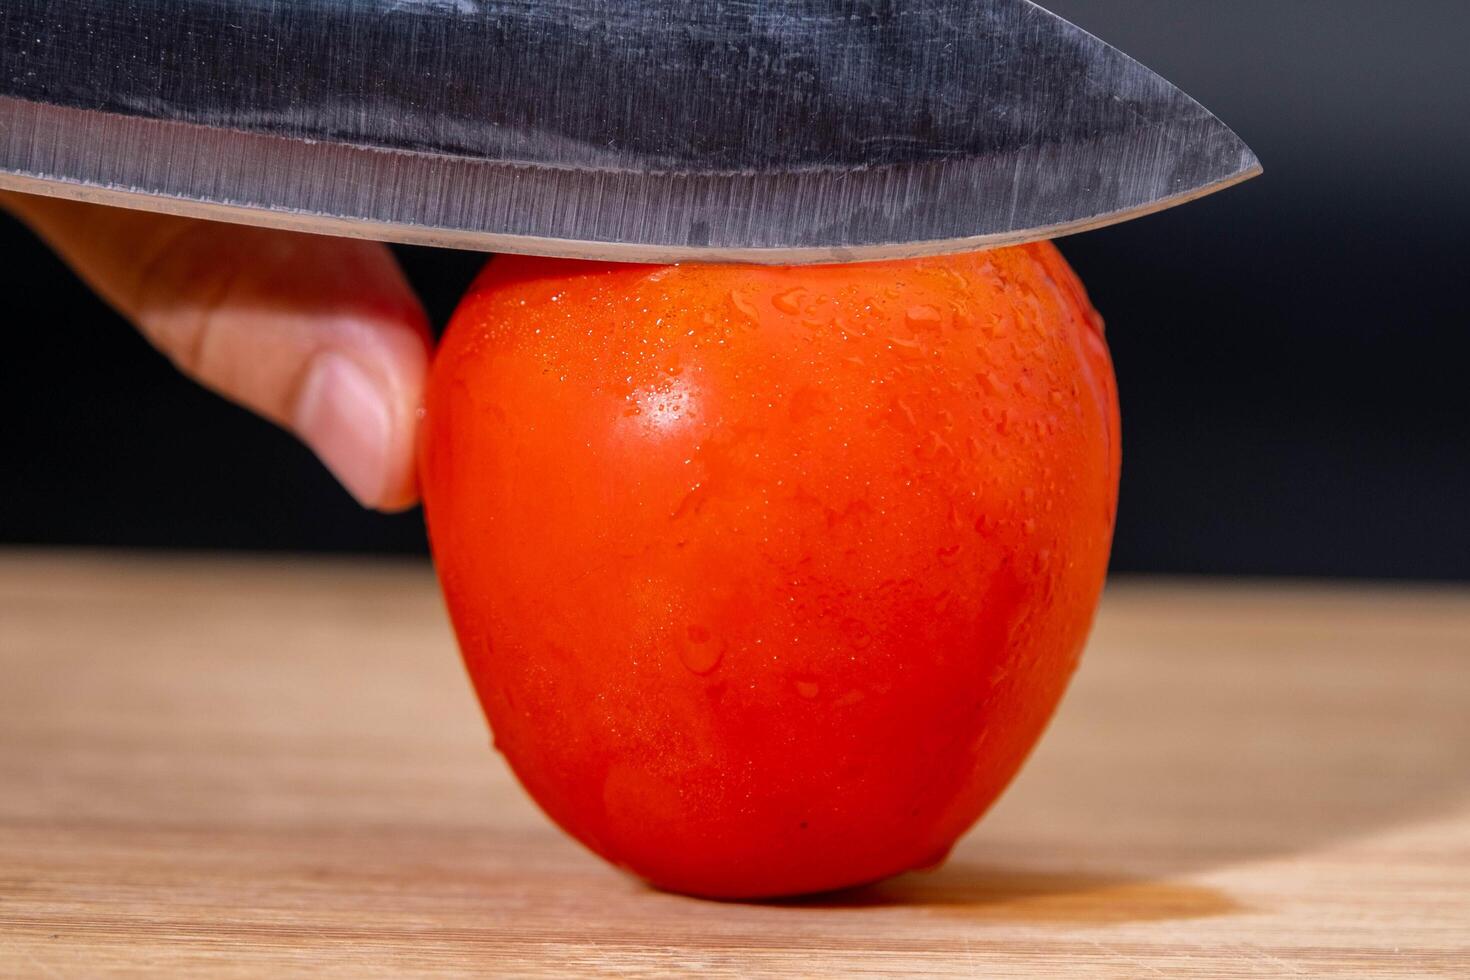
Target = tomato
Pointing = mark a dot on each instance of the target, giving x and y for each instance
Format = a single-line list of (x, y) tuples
[(769, 579)]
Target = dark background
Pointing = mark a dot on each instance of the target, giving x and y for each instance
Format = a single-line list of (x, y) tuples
[(1292, 354)]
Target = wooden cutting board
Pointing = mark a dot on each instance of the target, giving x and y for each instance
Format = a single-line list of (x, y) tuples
[(271, 767)]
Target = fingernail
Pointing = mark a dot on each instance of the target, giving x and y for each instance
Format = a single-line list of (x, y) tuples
[(343, 417)]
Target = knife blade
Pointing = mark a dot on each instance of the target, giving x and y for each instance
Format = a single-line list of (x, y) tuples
[(777, 131)]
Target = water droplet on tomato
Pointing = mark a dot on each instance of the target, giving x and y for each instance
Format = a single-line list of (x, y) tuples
[(701, 654), (856, 633), (990, 382), (907, 348), (932, 447), (792, 301), (923, 317), (744, 305)]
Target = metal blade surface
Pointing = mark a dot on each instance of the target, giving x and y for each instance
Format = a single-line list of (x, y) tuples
[(758, 130)]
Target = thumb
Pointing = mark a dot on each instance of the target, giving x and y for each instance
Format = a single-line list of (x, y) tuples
[(320, 335)]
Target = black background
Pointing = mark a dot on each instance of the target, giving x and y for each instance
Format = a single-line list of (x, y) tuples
[(1292, 354)]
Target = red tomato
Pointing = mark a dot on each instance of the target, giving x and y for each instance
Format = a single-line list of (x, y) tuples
[(769, 579)]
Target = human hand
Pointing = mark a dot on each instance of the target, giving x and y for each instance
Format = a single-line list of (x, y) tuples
[(321, 335)]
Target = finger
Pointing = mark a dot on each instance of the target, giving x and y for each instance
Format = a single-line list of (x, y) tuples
[(321, 335)]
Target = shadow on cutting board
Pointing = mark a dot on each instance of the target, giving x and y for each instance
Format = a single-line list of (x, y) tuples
[(1212, 729), (1001, 895)]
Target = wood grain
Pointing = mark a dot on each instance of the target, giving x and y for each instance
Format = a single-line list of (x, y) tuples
[(271, 767)]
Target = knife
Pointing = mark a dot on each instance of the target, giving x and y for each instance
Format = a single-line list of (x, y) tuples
[(775, 131)]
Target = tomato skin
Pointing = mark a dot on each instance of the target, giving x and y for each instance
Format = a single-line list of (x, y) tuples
[(769, 579)]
